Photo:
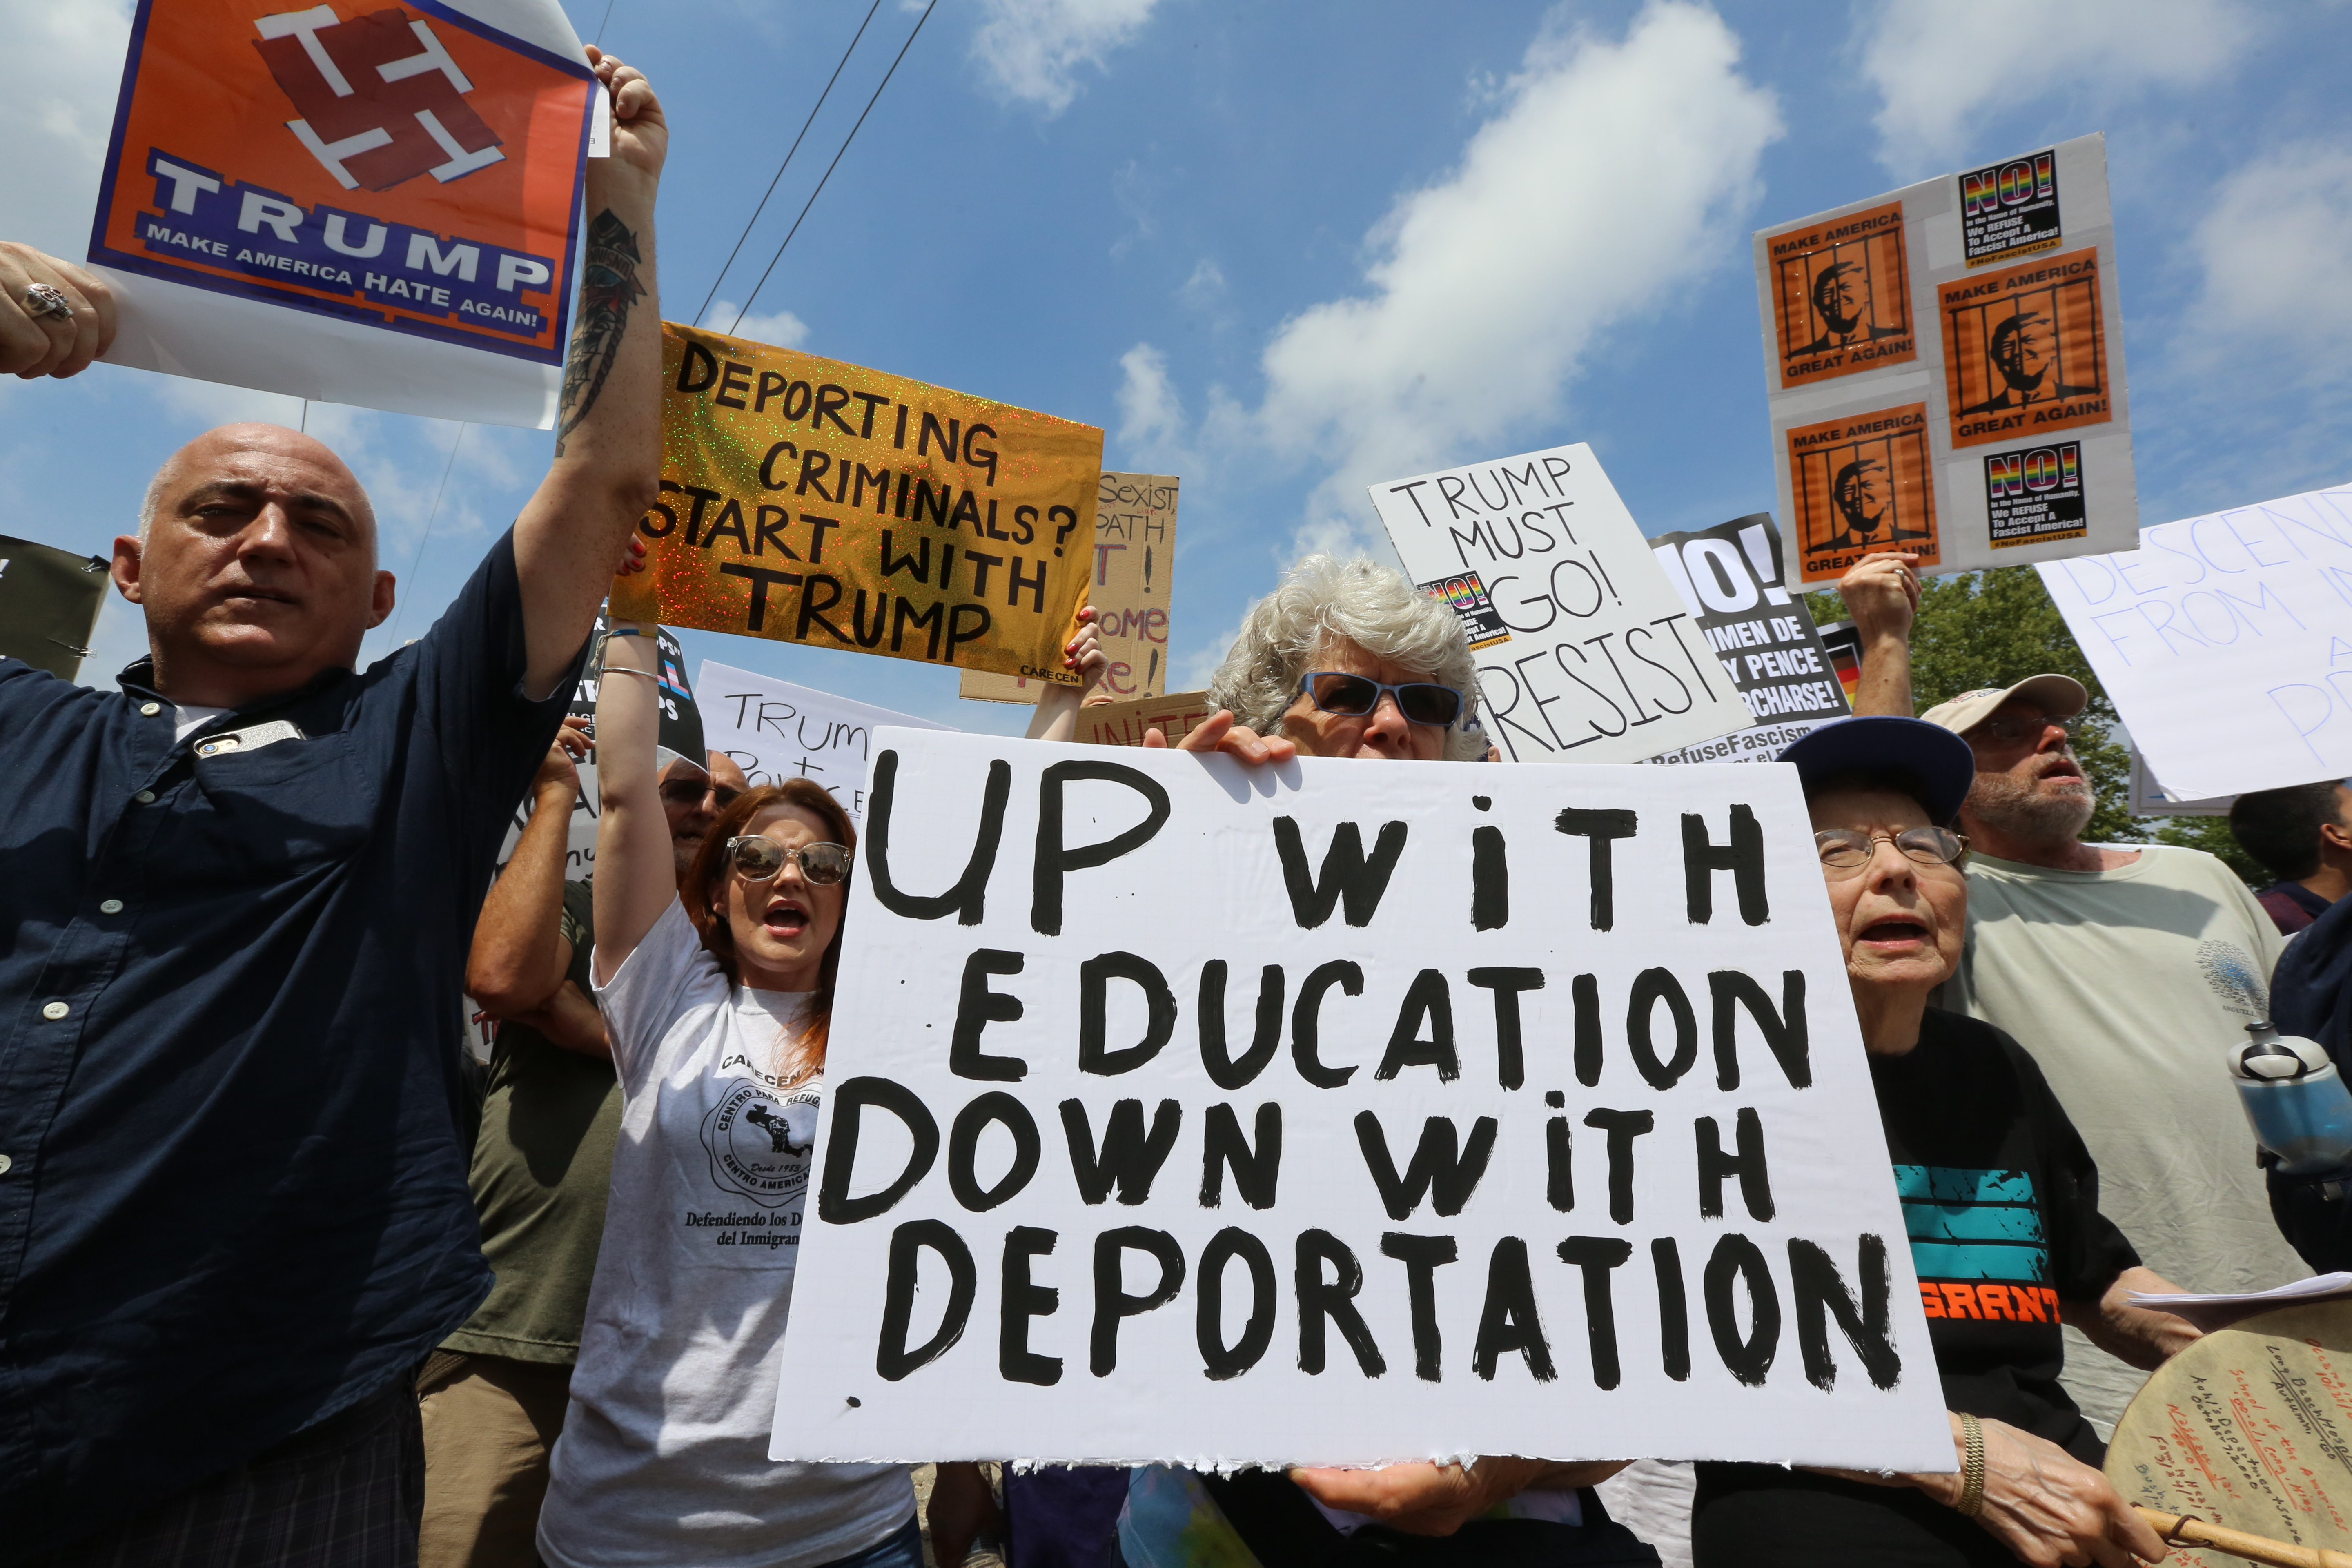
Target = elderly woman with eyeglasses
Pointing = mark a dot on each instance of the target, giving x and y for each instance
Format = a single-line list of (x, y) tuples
[(1999, 1199)]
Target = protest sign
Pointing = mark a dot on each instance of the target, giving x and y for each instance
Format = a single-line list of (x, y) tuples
[(1732, 580), (376, 209), (776, 731), (807, 501), (1947, 370), (1423, 1141), (1135, 558), (2225, 642), (1125, 723), (1843, 643), (1585, 653), (2150, 798), (49, 600)]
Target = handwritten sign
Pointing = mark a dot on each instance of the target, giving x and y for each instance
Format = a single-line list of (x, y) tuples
[(1585, 653), (371, 207), (2226, 642), (1135, 562), (1126, 724), (1947, 370), (776, 731), (1732, 580), (1346, 1113), (807, 501)]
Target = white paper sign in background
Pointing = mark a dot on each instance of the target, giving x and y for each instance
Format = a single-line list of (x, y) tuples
[(2225, 642), (1330, 1113), (1585, 653), (776, 731)]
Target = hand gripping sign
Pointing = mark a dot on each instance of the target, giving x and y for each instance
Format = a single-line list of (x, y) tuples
[(372, 207), (807, 501), (1327, 1113)]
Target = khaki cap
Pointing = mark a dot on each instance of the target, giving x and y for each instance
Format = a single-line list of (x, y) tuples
[(2059, 696)]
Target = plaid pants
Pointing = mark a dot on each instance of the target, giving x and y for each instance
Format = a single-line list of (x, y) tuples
[(345, 1493)]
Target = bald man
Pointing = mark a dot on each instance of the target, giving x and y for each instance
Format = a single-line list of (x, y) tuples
[(232, 1205)]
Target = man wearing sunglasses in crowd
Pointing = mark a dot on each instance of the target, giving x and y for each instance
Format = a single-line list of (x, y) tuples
[(494, 1394), (2126, 970)]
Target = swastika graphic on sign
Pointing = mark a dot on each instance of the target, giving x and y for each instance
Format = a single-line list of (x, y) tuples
[(378, 100)]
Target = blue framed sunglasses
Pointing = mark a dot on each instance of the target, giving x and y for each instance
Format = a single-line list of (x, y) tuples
[(1353, 696)]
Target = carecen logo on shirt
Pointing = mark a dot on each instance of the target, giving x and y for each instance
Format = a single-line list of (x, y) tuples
[(759, 1146)]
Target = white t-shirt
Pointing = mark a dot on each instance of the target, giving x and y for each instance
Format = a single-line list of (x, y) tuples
[(2127, 987), (664, 1459)]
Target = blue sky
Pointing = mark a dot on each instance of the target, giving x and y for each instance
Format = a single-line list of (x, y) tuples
[(1284, 250)]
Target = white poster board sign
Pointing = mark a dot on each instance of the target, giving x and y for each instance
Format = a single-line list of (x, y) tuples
[(2225, 642), (776, 731), (1585, 653), (1330, 1113)]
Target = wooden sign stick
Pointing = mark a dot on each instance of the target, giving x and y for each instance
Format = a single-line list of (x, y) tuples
[(2183, 1530)]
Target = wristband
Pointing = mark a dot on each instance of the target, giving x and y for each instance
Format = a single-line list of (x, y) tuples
[(624, 669), (1972, 1466), (625, 632)]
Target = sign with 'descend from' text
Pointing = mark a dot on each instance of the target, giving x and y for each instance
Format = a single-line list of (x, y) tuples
[(2226, 642), (1325, 1112), (376, 207), (1948, 374), (807, 501), (1584, 652), (1135, 564)]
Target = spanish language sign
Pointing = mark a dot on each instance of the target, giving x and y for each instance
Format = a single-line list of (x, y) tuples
[(2226, 642), (776, 731), (807, 501), (371, 207), (1733, 581), (1947, 370), (1127, 723), (1334, 1113), (1134, 559), (1585, 653)]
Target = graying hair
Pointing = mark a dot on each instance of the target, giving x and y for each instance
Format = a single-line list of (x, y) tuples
[(1323, 600), (152, 502)]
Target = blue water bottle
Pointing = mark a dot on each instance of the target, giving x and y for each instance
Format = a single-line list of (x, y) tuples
[(2295, 1099)]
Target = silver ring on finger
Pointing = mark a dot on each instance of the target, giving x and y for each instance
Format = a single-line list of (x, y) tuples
[(42, 300)]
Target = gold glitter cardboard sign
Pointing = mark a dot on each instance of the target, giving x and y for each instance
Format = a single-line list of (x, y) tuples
[(808, 501)]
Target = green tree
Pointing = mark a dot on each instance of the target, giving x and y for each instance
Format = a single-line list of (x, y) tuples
[(1994, 628)]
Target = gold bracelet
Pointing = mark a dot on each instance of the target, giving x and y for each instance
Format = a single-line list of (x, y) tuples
[(624, 669), (1972, 1466)]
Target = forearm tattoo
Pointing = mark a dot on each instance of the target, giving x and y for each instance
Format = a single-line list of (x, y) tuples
[(608, 286)]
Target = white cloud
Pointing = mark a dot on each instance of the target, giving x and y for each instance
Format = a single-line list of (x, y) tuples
[(68, 71), (781, 329), (1031, 50), (1611, 174), (2276, 249), (1942, 67), (1206, 287)]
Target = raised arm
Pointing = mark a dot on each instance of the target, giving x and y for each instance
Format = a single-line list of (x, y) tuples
[(1882, 594), (519, 956), (637, 870), (1057, 709), (608, 424)]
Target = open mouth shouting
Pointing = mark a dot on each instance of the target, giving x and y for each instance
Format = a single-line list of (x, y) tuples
[(785, 916), (1896, 933)]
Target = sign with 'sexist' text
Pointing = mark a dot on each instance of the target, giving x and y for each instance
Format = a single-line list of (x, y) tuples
[(1584, 653), (1336, 1113), (1134, 559), (365, 206), (2226, 642), (1947, 370), (807, 501)]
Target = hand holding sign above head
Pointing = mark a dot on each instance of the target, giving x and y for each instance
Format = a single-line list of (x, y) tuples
[(1882, 594), (640, 131), (55, 318)]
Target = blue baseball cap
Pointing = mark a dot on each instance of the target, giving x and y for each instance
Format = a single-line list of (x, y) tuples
[(1935, 757)]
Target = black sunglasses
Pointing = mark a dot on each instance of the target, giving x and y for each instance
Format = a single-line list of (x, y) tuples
[(687, 792), (759, 858), (1353, 696)]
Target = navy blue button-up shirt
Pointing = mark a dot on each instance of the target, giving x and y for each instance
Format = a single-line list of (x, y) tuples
[(234, 1201)]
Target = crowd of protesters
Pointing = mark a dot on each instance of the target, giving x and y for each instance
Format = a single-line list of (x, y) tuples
[(280, 1284)]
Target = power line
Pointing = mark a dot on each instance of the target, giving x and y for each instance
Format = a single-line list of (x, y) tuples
[(835, 163), (788, 161), (599, 39), (429, 517)]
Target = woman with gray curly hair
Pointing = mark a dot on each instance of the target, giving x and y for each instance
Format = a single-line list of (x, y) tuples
[(1345, 659)]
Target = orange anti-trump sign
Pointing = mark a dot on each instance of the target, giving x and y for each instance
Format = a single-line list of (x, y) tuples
[(411, 171)]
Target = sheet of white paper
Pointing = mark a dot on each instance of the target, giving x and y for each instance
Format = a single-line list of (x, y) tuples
[(2221, 1309), (2225, 642), (600, 126), (1093, 1224), (1584, 652), (777, 730)]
